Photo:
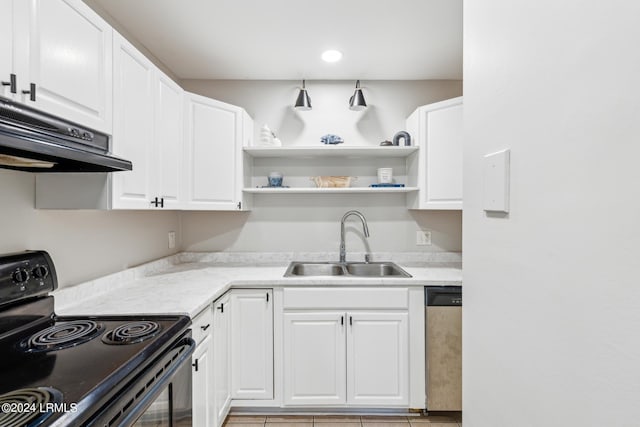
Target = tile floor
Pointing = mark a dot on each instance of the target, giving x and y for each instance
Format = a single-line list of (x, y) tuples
[(443, 419)]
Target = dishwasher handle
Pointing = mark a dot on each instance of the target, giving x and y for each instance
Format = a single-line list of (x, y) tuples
[(443, 296)]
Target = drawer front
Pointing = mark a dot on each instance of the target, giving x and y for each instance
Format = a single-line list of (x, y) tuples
[(202, 325), (346, 298)]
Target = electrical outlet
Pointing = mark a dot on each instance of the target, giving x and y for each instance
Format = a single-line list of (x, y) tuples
[(423, 238), (172, 239)]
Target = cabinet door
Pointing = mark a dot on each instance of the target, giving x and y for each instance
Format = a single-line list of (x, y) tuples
[(203, 415), (133, 131), (443, 179), (70, 62), (314, 358), (168, 140), (6, 47), (212, 154), (221, 376), (378, 359), (252, 343)]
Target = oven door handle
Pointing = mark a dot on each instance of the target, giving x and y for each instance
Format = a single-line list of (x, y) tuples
[(153, 392)]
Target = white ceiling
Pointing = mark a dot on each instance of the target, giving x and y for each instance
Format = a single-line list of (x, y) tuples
[(283, 39)]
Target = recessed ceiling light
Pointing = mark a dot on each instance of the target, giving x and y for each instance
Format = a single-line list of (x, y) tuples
[(331, 56)]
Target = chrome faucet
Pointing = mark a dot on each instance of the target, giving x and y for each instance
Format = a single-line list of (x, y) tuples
[(365, 228)]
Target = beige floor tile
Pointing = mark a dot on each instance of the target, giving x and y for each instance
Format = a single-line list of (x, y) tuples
[(245, 419), (237, 424), (384, 419), (291, 424), (442, 424), (431, 422), (389, 424), (336, 424), (324, 419), (289, 418)]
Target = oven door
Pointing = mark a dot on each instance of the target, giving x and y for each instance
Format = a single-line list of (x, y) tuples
[(160, 397)]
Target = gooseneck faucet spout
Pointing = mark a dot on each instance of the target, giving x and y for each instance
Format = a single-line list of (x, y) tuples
[(365, 228)]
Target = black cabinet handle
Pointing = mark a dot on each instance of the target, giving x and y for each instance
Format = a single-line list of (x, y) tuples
[(267, 296), (342, 320), (221, 308), (11, 83), (195, 365), (350, 320), (31, 92), (205, 327), (158, 203)]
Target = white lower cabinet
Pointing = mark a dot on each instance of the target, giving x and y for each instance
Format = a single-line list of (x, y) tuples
[(202, 370), (352, 358), (378, 358), (252, 344), (221, 362), (202, 393), (314, 358)]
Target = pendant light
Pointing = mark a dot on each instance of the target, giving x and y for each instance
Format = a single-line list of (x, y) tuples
[(357, 102), (303, 102)]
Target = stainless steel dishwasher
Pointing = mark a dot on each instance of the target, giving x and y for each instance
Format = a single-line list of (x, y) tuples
[(443, 317)]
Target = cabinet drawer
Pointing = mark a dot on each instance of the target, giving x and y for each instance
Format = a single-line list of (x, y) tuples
[(346, 298), (202, 325)]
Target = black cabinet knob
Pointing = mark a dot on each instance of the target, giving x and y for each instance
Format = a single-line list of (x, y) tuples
[(40, 272), (20, 276)]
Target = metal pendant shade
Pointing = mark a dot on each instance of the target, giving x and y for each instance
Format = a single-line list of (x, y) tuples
[(357, 102), (303, 102)]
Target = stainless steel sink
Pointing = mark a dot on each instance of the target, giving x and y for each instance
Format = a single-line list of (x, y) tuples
[(315, 269), (375, 269), (355, 269)]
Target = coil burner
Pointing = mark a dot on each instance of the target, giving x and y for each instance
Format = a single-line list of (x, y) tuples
[(131, 333), (62, 335), (28, 406)]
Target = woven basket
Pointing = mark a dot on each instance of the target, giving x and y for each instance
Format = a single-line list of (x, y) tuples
[(333, 181)]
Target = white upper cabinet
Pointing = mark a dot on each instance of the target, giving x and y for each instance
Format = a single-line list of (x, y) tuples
[(147, 130), (214, 134), (133, 127), (437, 168), (169, 137), (63, 60), (7, 71)]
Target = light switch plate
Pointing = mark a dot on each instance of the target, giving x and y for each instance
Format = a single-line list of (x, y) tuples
[(496, 182)]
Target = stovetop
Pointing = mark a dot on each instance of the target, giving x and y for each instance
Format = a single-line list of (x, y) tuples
[(61, 371), (81, 372)]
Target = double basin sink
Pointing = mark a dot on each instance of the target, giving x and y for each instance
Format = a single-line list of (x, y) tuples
[(348, 269)]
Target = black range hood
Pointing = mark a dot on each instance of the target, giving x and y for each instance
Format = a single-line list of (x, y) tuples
[(34, 141)]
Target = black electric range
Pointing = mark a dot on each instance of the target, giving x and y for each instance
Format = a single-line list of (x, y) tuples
[(91, 370)]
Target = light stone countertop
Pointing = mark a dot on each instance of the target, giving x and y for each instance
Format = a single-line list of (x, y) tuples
[(187, 283)]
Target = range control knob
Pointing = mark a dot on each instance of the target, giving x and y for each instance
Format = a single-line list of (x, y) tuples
[(20, 275), (40, 272)]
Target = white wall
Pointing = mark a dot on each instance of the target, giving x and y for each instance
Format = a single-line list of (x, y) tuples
[(551, 291), (311, 222), (271, 102), (83, 244)]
